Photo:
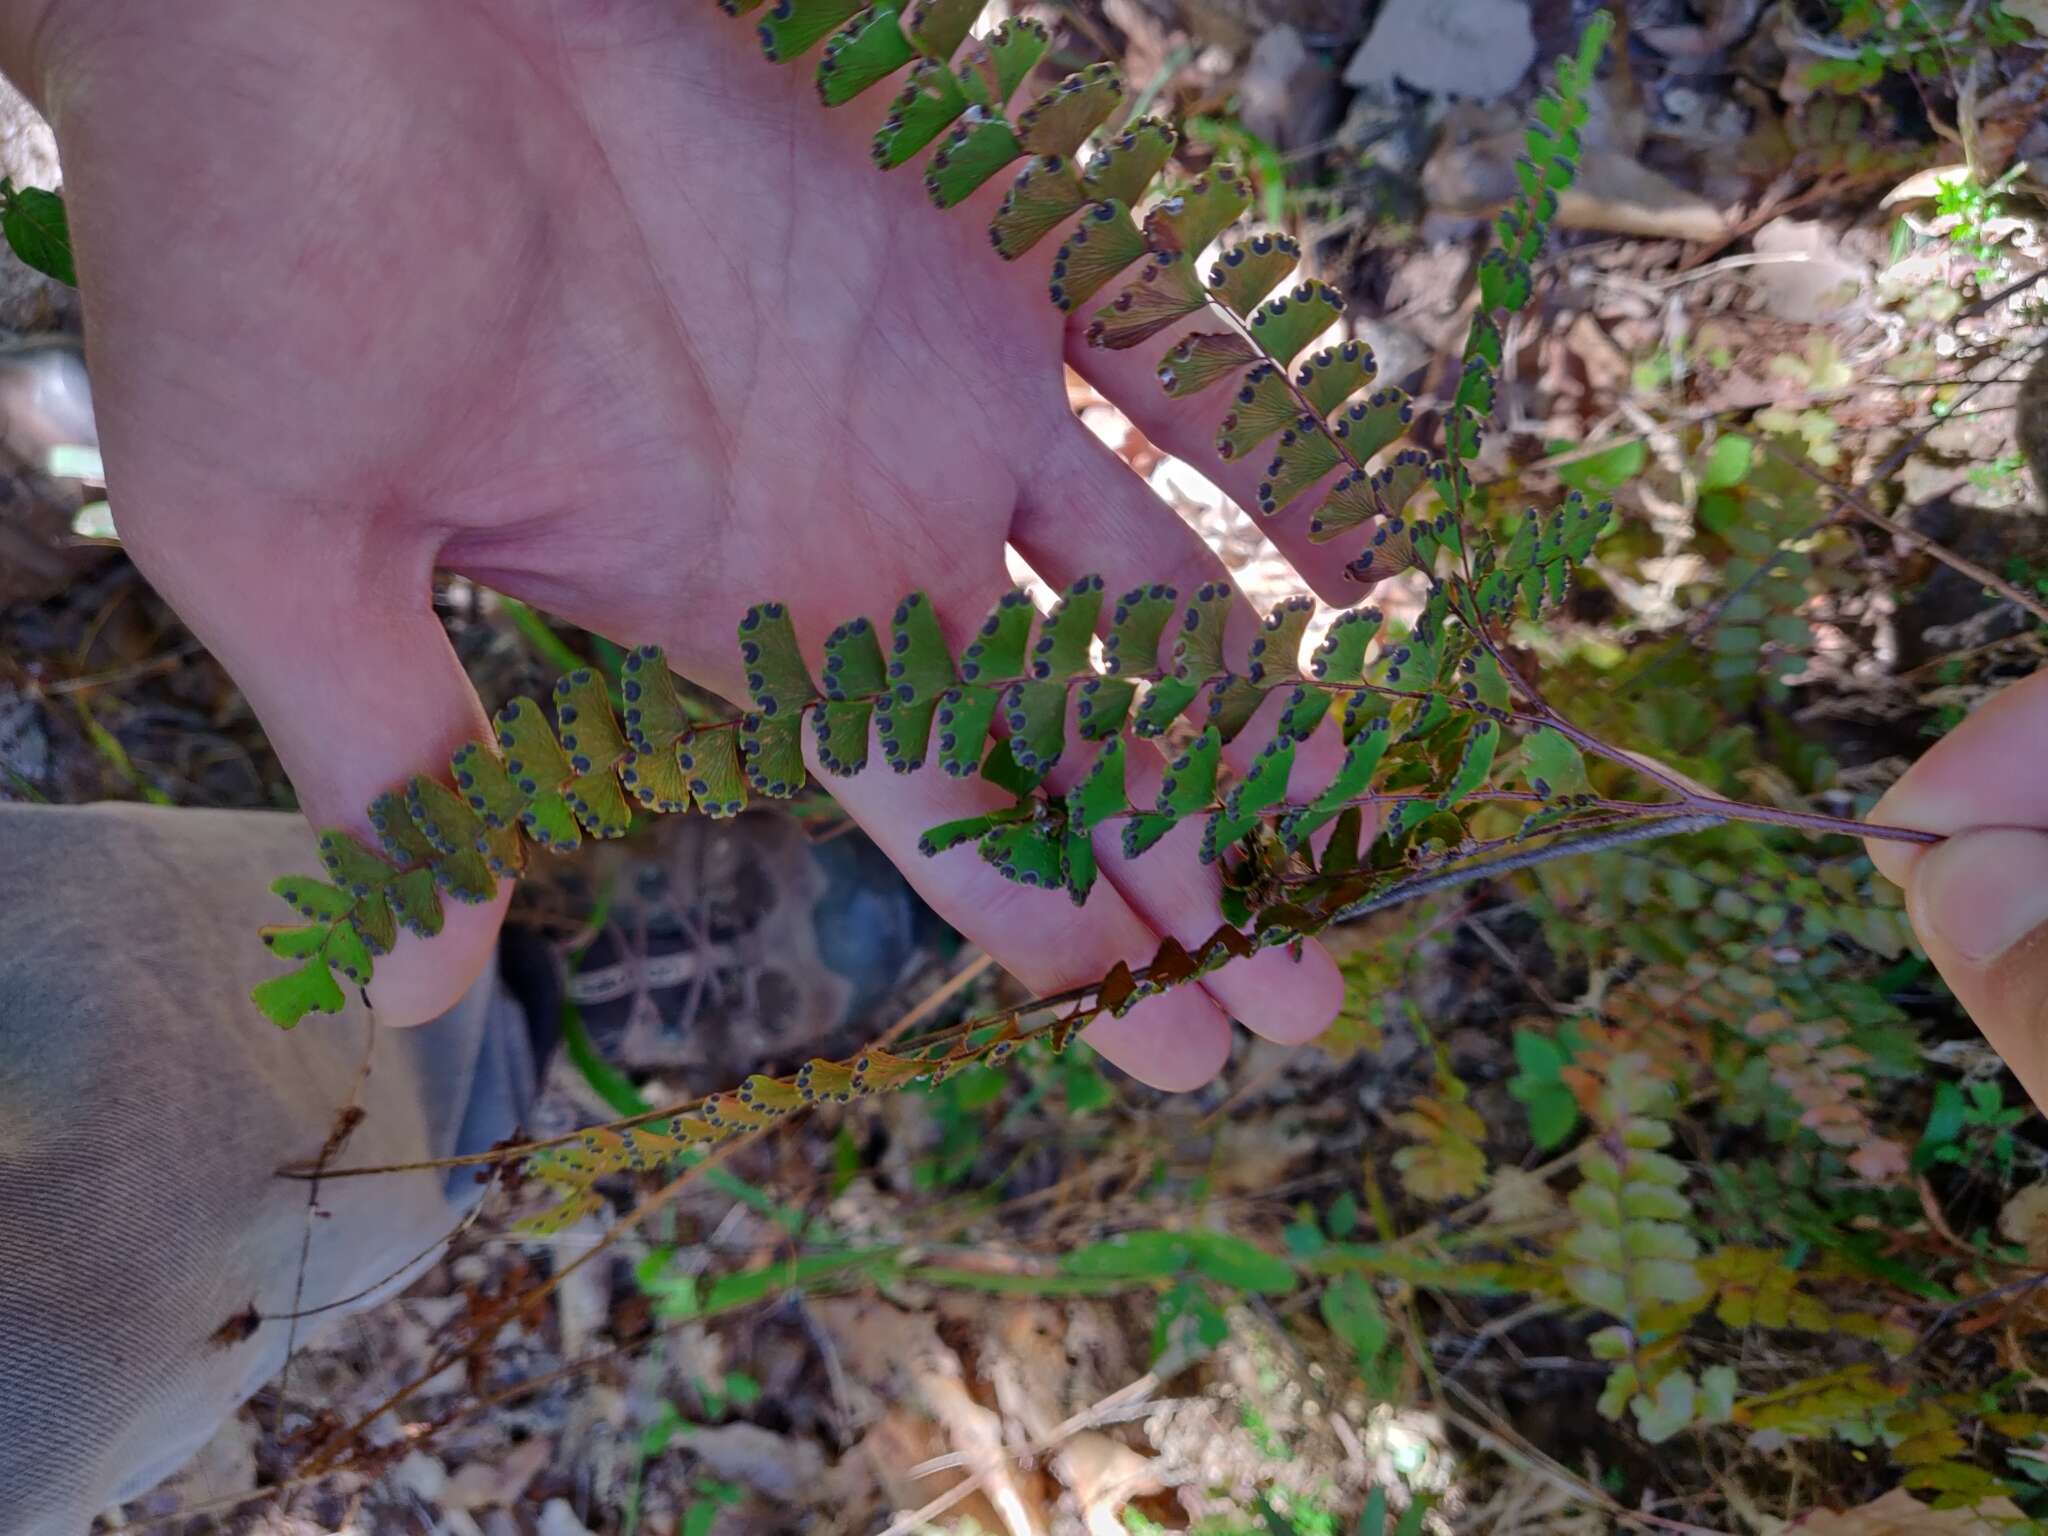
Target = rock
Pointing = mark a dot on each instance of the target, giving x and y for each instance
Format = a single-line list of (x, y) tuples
[(558, 1519), (1473, 48), (1284, 95), (1811, 280)]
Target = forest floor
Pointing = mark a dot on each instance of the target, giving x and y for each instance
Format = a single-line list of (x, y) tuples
[(1793, 228)]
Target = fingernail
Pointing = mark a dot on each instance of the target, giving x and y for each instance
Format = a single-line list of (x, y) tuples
[(1981, 893)]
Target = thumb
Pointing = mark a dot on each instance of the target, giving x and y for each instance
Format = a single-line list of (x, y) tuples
[(340, 655), (1980, 904)]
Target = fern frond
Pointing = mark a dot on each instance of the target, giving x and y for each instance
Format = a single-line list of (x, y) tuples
[(1421, 717)]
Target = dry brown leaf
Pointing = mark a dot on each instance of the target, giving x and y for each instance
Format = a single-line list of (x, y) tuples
[(2024, 1220), (1898, 1513), (1880, 1160)]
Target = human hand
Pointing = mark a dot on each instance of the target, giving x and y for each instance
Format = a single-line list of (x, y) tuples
[(1979, 900), (589, 303)]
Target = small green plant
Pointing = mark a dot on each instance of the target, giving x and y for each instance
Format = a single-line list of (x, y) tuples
[(1974, 206), (1924, 38), (37, 230), (1969, 1124)]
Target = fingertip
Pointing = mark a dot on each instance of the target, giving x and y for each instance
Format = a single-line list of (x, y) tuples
[(1176, 1041), (1279, 996), (1980, 905), (1893, 860)]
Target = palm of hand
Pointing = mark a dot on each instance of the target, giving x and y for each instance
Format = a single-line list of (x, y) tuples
[(588, 302)]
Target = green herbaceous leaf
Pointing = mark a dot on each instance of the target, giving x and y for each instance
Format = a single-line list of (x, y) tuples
[(791, 28), (1553, 765), (863, 53), (375, 923), (551, 822), (1100, 794), (1606, 471), (777, 680), (1366, 426), (1249, 270), (38, 230), (992, 68), (1232, 703), (1263, 786), (1030, 853), (962, 723), (1306, 709), (951, 834), (289, 943), (1064, 638), (314, 898), (1058, 122), (1305, 453), (599, 802), (1102, 706), (1136, 624), (1164, 292), (1262, 406), (937, 28), (1124, 167), (1728, 462), (926, 106), (1186, 221), (1042, 196), (1334, 374), (1362, 755), (345, 952), (978, 146), (710, 762), (416, 901), (486, 788), (1504, 281), (1104, 242), (841, 734), (1205, 358), (1188, 787), (1539, 1085), (1351, 1307), (1132, 1255), (919, 671), (1286, 323), (1276, 651), (1241, 1265), (1036, 714), (1340, 658), (583, 717), (352, 866), (1352, 502), (853, 661), (286, 999)]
